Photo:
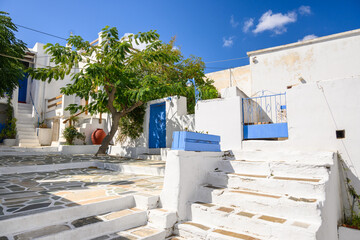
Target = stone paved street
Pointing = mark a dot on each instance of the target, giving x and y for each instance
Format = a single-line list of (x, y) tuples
[(27, 193), (12, 161)]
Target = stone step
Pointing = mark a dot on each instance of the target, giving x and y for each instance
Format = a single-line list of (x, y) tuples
[(259, 224), (25, 126), (24, 115), (145, 232), (27, 136), (25, 121), (294, 186), (155, 157), (18, 223), (31, 140), (196, 231), (25, 129), (162, 219), (28, 132), (91, 226), (29, 145), (304, 209), (279, 168)]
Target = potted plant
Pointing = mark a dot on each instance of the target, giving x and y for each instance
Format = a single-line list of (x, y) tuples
[(44, 134), (70, 134), (8, 133), (195, 141)]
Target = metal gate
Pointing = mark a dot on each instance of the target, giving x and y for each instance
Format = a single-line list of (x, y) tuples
[(265, 117)]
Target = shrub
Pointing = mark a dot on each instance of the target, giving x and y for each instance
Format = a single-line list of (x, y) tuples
[(9, 131), (70, 134)]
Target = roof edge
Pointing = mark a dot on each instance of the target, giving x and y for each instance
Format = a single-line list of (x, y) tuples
[(307, 42)]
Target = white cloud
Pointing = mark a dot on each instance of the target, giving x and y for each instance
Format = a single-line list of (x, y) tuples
[(233, 23), (248, 24), (308, 37), (275, 22), (228, 42), (305, 10)]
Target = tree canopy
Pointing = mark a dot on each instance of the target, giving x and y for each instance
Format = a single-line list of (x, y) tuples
[(118, 77), (11, 69)]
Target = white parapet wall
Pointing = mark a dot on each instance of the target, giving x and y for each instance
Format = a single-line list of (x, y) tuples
[(223, 117), (185, 172)]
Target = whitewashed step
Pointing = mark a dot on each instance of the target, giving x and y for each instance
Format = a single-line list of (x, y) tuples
[(279, 168), (305, 209), (25, 126), (24, 121), (294, 186), (24, 115), (25, 129), (145, 232), (17, 224), (29, 140), (196, 231), (162, 219), (104, 223), (27, 136), (154, 157), (29, 145), (26, 133), (256, 223)]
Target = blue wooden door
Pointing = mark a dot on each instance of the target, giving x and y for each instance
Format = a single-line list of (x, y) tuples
[(157, 126), (23, 89)]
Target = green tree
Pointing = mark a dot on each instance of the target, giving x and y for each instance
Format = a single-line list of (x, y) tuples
[(11, 69), (117, 76)]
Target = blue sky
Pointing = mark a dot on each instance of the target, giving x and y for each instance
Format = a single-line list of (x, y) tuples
[(212, 30)]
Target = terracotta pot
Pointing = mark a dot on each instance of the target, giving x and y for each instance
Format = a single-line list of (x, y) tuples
[(98, 136)]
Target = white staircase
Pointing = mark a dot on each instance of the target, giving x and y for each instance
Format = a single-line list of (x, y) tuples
[(26, 132), (262, 196), (129, 217)]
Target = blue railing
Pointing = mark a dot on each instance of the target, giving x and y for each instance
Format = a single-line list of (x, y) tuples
[(264, 109)]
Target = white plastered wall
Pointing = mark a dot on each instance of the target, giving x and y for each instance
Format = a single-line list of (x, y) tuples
[(234, 77), (223, 117), (330, 57)]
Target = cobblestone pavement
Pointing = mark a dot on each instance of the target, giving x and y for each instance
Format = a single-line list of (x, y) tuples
[(28, 160), (27, 193)]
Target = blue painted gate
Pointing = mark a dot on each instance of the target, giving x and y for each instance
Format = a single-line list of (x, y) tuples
[(157, 126), (265, 117), (23, 89)]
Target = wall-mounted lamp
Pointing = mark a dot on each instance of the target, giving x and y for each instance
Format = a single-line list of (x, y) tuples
[(197, 91), (254, 60)]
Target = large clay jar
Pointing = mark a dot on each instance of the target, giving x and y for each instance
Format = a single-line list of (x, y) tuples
[(98, 136)]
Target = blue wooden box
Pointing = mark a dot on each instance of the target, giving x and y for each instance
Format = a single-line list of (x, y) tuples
[(192, 141)]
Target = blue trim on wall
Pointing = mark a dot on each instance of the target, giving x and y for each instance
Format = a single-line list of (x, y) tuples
[(157, 126), (192, 141), (274, 130)]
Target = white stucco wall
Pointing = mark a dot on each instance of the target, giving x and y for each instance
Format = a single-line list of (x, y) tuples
[(331, 57), (239, 77), (316, 111), (221, 117), (185, 173)]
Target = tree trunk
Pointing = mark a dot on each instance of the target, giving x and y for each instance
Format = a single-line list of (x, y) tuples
[(114, 126)]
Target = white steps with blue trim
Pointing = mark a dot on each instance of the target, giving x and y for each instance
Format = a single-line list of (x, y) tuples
[(26, 132)]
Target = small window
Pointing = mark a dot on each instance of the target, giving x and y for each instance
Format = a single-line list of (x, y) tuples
[(340, 134)]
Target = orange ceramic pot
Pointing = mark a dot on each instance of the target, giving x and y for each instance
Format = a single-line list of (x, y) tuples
[(98, 136)]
